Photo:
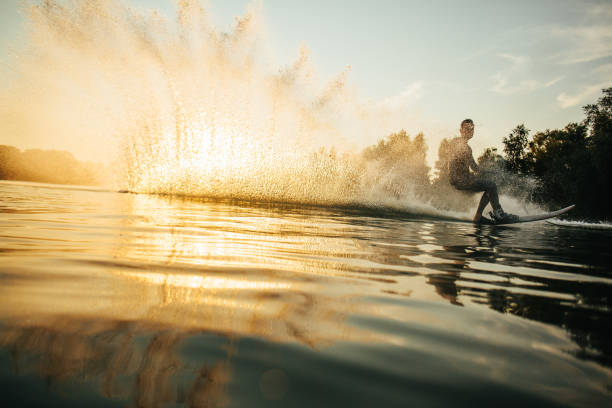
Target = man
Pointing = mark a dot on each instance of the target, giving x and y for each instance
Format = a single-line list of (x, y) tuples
[(460, 163)]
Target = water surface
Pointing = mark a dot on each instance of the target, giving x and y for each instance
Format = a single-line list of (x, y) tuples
[(111, 299)]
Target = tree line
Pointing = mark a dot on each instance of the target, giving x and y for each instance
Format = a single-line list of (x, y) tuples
[(47, 166)]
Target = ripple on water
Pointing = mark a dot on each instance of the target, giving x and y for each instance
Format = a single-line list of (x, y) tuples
[(144, 299)]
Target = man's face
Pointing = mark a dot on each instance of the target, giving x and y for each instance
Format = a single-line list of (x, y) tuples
[(467, 130)]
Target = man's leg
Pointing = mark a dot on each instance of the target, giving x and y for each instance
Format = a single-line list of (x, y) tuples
[(484, 200), (490, 195), (490, 189)]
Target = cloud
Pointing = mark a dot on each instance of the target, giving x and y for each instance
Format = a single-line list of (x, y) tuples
[(605, 69), (584, 95), (410, 94), (503, 86), (586, 44), (483, 52), (551, 82), (505, 81), (588, 40), (516, 60)]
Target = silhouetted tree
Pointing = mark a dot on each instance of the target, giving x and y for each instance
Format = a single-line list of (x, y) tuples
[(402, 155), (514, 149), (599, 123), (398, 164), (441, 164), (561, 160), (490, 160)]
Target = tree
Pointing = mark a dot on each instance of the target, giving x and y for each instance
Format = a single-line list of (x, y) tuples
[(514, 149), (561, 160), (10, 162), (441, 164), (399, 163), (402, 155), (490, 160), (599, 123)]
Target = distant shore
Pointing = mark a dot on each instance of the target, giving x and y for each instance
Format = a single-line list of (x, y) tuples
[(47, 166)]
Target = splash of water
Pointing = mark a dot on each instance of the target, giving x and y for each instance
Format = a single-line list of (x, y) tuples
[(183, 108)]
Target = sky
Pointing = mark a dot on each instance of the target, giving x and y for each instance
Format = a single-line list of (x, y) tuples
[(500, 63)]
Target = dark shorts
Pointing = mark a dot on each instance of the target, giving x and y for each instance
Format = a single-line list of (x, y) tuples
[(474, 184)]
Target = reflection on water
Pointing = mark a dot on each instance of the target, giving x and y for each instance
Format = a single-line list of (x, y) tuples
[(151, 301), (126, 359)]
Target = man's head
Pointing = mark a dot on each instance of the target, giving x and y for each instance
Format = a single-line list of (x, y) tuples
[(467, 128)]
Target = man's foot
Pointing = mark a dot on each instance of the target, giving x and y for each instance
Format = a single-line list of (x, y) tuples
[(479, 219), (500, 216), (484, 221)]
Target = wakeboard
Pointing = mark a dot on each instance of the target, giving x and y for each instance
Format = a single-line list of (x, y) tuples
[(526, 218)]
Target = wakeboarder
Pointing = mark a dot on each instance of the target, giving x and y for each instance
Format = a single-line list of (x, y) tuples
[(460, 162)]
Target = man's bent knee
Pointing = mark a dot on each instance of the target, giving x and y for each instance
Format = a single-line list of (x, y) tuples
[(488, 185)]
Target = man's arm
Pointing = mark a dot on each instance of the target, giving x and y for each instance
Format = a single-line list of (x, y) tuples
[(473, 164)]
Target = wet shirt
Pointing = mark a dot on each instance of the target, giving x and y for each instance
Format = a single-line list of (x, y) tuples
[(460, 161)]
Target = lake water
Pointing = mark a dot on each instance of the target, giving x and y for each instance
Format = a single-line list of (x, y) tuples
[(111, 299)]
